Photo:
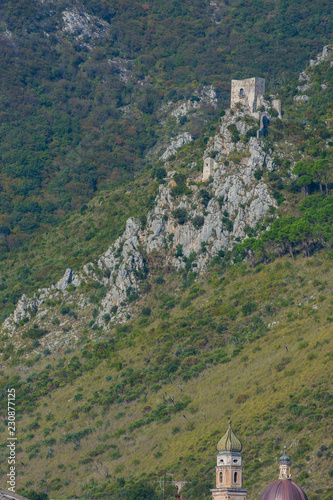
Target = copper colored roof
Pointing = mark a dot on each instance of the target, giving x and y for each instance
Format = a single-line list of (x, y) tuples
[(283, 489)]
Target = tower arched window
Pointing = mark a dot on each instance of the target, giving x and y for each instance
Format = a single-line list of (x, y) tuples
[(235, 477), (221, 477), (241, 93)]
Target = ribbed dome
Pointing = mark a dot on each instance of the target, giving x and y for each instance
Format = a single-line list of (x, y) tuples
[(229, 442), (283, 489)]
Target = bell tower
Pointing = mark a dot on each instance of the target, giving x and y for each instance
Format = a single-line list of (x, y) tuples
[(285, 465), (229, 469)]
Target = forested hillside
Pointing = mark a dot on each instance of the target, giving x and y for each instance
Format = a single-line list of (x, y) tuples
[(150, 303), (84, 88), (82, 85)]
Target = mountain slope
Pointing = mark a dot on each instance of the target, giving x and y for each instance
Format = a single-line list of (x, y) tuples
[(104, 407), (83, 84), (122, 403)]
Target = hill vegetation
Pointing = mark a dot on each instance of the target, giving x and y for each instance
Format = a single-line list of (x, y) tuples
[(83, 85), (106, 410), (135, 402)]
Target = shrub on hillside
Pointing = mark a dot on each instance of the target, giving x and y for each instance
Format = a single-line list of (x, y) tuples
[(249, 308), (181, 215), (235, 137), (34, 333), (35, 495), (198, 221)]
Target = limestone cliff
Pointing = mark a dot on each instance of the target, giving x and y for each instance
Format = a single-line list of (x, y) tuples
[(211, 217)]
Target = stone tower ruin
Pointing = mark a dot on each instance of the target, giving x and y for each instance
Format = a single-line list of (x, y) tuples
[(247, 93)]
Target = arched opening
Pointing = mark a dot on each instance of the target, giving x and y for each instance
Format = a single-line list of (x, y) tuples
[(241, 93), (235, 477), (221, 477)]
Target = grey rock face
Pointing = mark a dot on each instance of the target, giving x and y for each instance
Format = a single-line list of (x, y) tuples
[(238, 200), (175, 145), (63, 283), (303, 77), (120, 68), (80, 24), (301, 98), (184, 108), (209, 94), (117, 269), (68, 278), (25, 308), (245, 199), (206, 95), (304, 88), (327, 51)]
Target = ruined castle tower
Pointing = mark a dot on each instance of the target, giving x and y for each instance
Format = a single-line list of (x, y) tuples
[(247, 93), (229, 469)]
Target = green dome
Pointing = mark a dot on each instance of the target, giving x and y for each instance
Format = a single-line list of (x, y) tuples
[(229, 442), (284, 459)]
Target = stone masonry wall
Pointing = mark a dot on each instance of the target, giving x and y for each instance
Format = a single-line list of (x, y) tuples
[(246, 92)]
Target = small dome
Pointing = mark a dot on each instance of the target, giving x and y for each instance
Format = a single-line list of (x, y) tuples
[(284, 459), (229, 442), (283, 489)]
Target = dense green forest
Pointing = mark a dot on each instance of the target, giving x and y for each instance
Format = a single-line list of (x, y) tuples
[(64, 133)]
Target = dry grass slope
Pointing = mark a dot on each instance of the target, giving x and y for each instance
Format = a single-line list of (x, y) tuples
[(276, 390)]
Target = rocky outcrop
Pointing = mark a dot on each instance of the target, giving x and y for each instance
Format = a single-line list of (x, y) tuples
[(218, 9), (68, 278), (118, 269), (305, 79), (207, 95), (184, 108), (81, 25), (214, 216), (304, 88), (327, 52), (120, 68), (25, 308), (181, 139), (301, 98), (237, 200)]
